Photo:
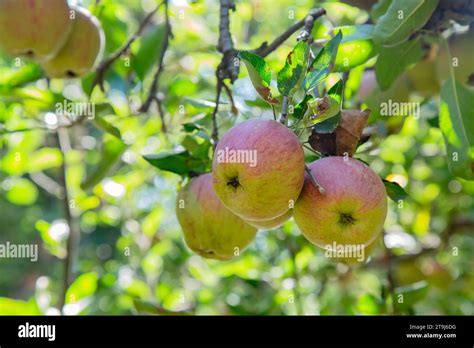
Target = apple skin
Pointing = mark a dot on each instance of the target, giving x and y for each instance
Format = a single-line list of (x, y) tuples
[(353, 208), (268, 189), (35, 29), (273, 223), (209, 228), (82, 49)]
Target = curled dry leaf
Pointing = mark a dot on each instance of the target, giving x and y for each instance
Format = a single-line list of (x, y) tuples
[(346, 136)]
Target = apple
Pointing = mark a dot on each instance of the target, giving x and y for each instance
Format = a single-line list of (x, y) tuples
[(82, 49), (258, 169), (35, 29), (351, 212), (209, 228), (273, 223)]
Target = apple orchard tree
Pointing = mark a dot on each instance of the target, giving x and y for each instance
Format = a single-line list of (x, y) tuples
[(237, 157)]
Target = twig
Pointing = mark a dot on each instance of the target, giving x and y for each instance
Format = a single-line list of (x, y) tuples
[(314, 181), (231, 98), (227, 69), (215, 128), (152, 96), (47, 184), (284, 110), (74, 232), (107, 63), (265, 49)]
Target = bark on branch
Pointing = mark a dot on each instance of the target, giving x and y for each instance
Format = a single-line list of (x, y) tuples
[(306, 23)]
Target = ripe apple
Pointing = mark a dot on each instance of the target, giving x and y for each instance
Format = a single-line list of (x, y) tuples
[(35, 29), (273, 223), (210, 229), (353, 208), (258, 169), (82, 49)]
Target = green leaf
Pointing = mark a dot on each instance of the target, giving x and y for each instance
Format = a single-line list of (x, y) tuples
[(300, 109), (43, 159), (379, 9), (392, 61), (323, 64), (20, 191), (290, 77), (111, 153), (150, 47), (403, 18), (329, 124), (260, 75), (394, 191), (190, 127), (84, 286), (181, 163), (327, 117), (197, 144), (412, 294), (200, 104), (356, 46), (10, 306), (457, 125), (26, 74), (107, 126), (49, 243), (336, 91)]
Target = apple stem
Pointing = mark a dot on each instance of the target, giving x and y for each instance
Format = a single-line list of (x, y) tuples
[(284, 110), (314, 181)]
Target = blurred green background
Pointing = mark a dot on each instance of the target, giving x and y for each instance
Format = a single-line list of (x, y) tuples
[(132, 259)]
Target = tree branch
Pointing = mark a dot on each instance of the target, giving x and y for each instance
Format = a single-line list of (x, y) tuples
[(107, 63), (307, 24), (152, 96), (215, 128), (227, 68), (64, 146), (231, 98)]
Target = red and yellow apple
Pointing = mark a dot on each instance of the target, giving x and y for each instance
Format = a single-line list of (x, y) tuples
[(209, 228), (35, 29), (353, 208), (258, 169), (82, 49)]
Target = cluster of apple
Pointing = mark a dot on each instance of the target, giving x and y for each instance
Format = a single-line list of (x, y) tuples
[(342, 202), (66, 41)]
